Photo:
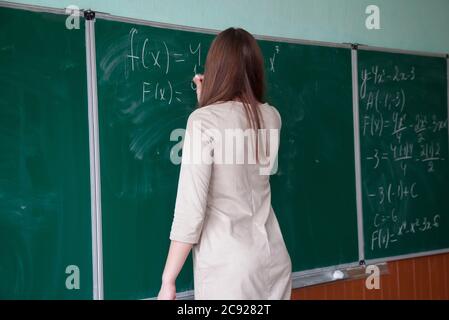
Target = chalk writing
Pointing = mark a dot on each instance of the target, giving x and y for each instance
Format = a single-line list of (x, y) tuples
[(402, 146), (151, 56)]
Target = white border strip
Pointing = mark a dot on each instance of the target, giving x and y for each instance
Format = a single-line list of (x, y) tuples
[(94, 153), (358, 170), (322, 275), (301, 279)]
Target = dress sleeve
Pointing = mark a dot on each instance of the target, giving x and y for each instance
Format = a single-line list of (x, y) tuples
[(194, 177), (279, 117)]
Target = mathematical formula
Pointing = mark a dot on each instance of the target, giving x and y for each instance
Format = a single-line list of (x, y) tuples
[(387, 234), (159, 60), (398, 139)]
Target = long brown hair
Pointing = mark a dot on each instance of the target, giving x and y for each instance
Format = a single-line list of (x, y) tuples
[(235, 70)]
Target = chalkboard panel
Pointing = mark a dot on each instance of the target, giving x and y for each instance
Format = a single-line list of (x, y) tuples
[(44, 160), (313, 192), (141, 100), (145, 92), (404, 153)]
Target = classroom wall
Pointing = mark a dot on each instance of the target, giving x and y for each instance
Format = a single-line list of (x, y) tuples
[(420, 278), (405, 24)]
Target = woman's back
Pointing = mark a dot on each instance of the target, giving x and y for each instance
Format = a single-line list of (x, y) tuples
[(237, 174), (240, 252)]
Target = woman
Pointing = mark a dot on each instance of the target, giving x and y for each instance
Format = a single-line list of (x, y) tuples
[(223, 208)]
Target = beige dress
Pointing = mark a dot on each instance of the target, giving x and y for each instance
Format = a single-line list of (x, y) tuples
[(224, 209)]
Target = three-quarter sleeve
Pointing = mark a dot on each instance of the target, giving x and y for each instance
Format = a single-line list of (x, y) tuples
[(194, 177)]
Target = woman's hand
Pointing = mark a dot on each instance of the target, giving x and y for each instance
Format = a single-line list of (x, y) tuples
[(198, 80), (177, 255), (167, 291)]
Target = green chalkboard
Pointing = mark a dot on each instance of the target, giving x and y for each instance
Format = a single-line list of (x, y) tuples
[(145, 92), (138, 109), (44, 158), (404, 153), (313, 192)]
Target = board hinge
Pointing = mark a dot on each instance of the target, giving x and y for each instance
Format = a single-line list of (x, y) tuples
[(89, 15)]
